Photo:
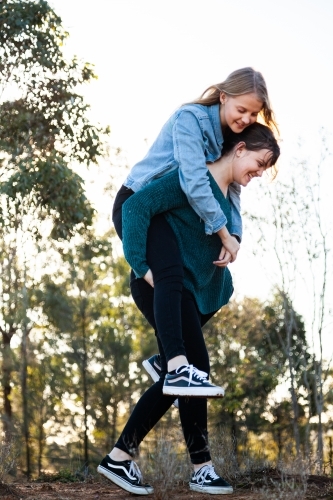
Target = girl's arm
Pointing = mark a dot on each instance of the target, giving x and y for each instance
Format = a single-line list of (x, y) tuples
[(236, 228), (189, 151), (159, 196), (189, 136)]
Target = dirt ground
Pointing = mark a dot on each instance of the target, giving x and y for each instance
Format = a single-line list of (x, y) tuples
[(98, 489), (82, 491)]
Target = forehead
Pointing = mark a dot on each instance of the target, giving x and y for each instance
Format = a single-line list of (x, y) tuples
[(248, 101), (264, 155)]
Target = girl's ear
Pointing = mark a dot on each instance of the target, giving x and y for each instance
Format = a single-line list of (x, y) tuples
[(240, 149), (222, 97)]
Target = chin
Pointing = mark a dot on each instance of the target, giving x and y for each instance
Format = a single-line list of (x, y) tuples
[(236, 128)]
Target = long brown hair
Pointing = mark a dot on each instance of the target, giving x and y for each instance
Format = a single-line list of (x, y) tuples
[(241, 81)]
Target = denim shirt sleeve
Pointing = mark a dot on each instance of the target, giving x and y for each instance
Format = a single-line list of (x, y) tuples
[(189, 151), (236, 227)]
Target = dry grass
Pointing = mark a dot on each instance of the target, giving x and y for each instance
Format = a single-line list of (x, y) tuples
[(8, 456), (165, 468), (168, 471)]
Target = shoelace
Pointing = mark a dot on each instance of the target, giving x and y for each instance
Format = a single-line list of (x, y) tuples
[(135, 471), (202, 473), (201, 373), (195, 372)]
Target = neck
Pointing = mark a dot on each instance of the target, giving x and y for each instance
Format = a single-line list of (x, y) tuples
[(221, 170)]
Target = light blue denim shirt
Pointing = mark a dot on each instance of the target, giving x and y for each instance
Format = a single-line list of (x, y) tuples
[(190, 138)]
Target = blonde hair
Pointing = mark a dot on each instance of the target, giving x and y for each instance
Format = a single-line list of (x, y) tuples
[(241, 81)]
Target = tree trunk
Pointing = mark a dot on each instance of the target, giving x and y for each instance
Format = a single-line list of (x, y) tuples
[(85, 404), (114, 422), (24, 388), (234, 437), (295, 406), (40, 446), (278, 436), (319, 399), (330, 454), (85, 386), (6, 380), (289, 324)]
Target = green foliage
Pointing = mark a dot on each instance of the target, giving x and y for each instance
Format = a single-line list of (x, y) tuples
[(53, 191), (64, 475), (46, 126), (246, 358), (93, 326), (31, 33)]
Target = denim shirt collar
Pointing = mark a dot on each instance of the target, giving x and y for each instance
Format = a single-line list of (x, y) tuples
[(214, 114)]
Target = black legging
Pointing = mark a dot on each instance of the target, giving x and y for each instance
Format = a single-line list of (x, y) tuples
[(164, 260)]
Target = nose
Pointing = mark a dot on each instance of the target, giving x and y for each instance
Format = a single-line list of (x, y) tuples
[(259, 173), (246, 120)]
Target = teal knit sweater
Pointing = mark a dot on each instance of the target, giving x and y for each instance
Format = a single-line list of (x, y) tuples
[(211, 285)]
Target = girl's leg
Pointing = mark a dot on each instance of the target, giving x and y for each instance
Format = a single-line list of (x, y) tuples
[(193, 411), (118, 465), (165, 262), (153, 404)]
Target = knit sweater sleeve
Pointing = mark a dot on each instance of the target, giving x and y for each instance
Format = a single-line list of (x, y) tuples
[(159, 196)]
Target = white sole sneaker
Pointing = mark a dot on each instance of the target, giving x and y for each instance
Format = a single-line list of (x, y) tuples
[(150, 370), (124, 475), (199, 392), (205, 480), (212, 490), (188, 381)]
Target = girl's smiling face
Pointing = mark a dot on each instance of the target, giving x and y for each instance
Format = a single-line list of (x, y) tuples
[(239, 112), (248, 164)]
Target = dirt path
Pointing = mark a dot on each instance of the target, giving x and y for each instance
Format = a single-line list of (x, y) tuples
[(83, 491), (318, 487)]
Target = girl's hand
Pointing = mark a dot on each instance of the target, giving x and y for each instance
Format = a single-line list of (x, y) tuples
[(149, 278), (230, 244), (224, 258)]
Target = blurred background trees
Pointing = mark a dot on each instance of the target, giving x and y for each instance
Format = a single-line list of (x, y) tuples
[(72, 341)]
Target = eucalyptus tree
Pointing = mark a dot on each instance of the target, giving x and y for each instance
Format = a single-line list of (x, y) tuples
[(88, 305), (44, 121), (44, 129), (246, 358)]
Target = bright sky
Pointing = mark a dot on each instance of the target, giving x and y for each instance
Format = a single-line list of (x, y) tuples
[(153, 55)]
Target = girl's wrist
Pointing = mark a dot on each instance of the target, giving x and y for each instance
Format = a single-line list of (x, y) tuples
[(223, 233)]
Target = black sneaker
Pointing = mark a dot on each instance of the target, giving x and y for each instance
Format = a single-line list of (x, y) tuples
[(206, 480), (189, 381), (125, 474), (153, 366)]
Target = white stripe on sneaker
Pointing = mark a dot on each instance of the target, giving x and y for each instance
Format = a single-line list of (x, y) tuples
[(133, 478), (175, 380)]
